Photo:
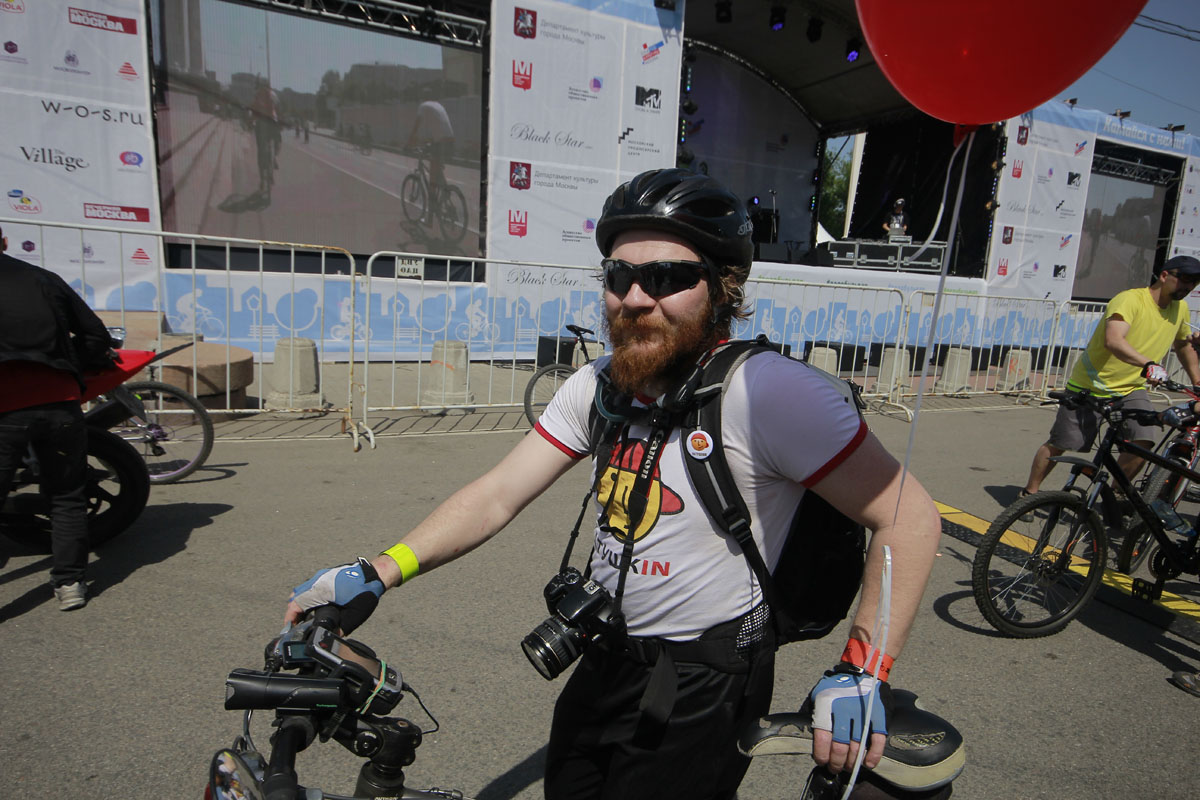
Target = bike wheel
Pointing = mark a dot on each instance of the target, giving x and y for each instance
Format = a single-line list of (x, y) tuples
[(412, 197), (452, 214), (1039, 564), (177, 436), (1139, 542), (117, 490), (542, 386)]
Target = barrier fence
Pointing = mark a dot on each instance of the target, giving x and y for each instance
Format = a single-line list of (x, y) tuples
[(301, 329)]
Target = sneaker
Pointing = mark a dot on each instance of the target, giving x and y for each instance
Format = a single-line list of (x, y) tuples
[(71, 596)]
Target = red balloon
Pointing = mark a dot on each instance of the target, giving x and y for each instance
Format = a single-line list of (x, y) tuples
[(979, 61)]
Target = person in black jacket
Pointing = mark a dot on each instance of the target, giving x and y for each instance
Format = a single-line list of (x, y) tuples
[(48, 336)]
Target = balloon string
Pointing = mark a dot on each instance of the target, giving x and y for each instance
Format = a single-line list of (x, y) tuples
[(883, 617), (937, 302)]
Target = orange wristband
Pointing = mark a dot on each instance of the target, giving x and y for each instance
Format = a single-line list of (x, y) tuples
[(856, 654)]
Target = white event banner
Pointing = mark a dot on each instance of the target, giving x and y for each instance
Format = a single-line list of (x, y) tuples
[(78, 145), (581, 99), (1186, 239)]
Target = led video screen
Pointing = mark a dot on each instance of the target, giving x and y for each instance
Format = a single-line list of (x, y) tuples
[(1120, 236), (285, 127)]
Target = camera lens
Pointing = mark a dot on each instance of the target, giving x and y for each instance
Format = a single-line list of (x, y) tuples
[(552, 646)]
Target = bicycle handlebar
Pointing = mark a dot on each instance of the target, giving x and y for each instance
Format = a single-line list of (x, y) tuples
[(1108, 405)]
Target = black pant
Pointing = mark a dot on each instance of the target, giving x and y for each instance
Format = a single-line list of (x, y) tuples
[(59, 439), (600, 748)]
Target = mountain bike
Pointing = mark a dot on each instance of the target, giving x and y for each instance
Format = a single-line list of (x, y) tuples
[(320, 685), (419, 196), (1043, 558), (546, 381), (1162, 484)]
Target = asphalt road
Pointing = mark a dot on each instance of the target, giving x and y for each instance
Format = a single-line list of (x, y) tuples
[(124, 698)]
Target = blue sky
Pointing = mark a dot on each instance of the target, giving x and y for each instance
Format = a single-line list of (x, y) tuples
[(1152, 74)]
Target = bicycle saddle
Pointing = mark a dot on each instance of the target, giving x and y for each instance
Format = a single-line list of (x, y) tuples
[(923, 750)]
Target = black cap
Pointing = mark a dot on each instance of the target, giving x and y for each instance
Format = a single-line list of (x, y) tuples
[(1183, 265), (899, 201)]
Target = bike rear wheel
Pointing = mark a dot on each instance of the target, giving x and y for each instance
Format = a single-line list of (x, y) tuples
[(177, 436), (1039, 564), (542, 386), (117, 490)]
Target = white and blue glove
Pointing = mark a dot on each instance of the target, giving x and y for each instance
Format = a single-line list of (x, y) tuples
[(354, 587), (839, 703)]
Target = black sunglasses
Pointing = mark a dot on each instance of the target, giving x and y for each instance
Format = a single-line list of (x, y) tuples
[(657, 278)]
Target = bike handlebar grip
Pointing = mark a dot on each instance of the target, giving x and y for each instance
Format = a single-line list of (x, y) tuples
[(328, 617)]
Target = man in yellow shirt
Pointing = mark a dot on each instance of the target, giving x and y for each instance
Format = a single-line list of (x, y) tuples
[(1138, 327)]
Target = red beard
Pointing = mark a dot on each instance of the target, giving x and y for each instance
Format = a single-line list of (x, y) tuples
[(646, 351)]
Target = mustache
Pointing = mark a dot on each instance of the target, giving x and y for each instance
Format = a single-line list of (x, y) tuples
[(624, 330)]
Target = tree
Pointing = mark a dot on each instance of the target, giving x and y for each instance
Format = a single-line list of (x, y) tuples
[(835, 186)]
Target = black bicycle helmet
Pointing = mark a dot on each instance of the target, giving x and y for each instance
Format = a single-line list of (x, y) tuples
[(694, 207)]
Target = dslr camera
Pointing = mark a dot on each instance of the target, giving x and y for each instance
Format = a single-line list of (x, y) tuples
[(580, 610)]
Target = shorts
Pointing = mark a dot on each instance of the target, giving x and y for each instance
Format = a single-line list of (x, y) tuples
[(1076, 429)]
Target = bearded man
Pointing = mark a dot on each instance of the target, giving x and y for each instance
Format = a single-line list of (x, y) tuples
[(677, 253)]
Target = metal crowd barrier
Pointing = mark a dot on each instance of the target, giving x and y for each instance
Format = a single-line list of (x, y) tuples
[(300, 329)]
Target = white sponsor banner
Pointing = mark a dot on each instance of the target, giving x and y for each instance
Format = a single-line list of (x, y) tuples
[(1186, 239), (581, 98), (77, 145)]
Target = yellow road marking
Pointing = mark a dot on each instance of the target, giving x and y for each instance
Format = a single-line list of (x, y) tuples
[(1170, 601)]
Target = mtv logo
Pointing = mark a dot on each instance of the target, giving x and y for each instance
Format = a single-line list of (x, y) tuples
[(1060, 270), (1023, 134), (1074, 179), (525, 23), (522, 75), (518, 223), (1018, 168), (1002, 267), (520, 174), (648, 98), (1007, 236)]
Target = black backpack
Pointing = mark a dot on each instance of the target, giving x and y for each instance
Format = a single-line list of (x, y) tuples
[(821, 566)]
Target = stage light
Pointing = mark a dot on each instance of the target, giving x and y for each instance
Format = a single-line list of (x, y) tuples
[(778, 17), (1172, 127), (1071, 101), (426, 21), (724, 11), (853, 48), (684, 156), (813, 31), (688, 106), (683, 129), (812, 203), (665, 5), (754, 200), (1119, 114)]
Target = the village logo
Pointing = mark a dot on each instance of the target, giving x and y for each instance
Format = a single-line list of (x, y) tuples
[(518, 222), (105, 22), (651, 51), (53, 157), (522, 75), (520, 175), (525, 23), (1007, 236), (1023, 134), (1018, 168), (118, 213), (646, 97)]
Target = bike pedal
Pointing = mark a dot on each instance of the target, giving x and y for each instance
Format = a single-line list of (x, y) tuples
[(1145, 590)]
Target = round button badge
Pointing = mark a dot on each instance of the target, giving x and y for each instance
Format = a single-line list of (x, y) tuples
[(699, 445)]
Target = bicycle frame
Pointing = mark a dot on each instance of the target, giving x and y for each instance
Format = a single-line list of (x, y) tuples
[(1103, 464)]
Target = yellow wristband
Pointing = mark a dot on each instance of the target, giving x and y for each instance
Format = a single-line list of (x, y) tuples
[(405, 559)]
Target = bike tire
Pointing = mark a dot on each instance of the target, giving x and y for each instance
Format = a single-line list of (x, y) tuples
[(412, 197), (542, 386), (1138, 544), (1022, 593), (452, 214), (118, 488), (179, 436)]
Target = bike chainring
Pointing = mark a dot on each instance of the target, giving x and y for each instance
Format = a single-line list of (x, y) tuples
[(1161, 567)]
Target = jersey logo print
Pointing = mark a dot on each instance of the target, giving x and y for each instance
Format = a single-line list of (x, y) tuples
[(619, 477)]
